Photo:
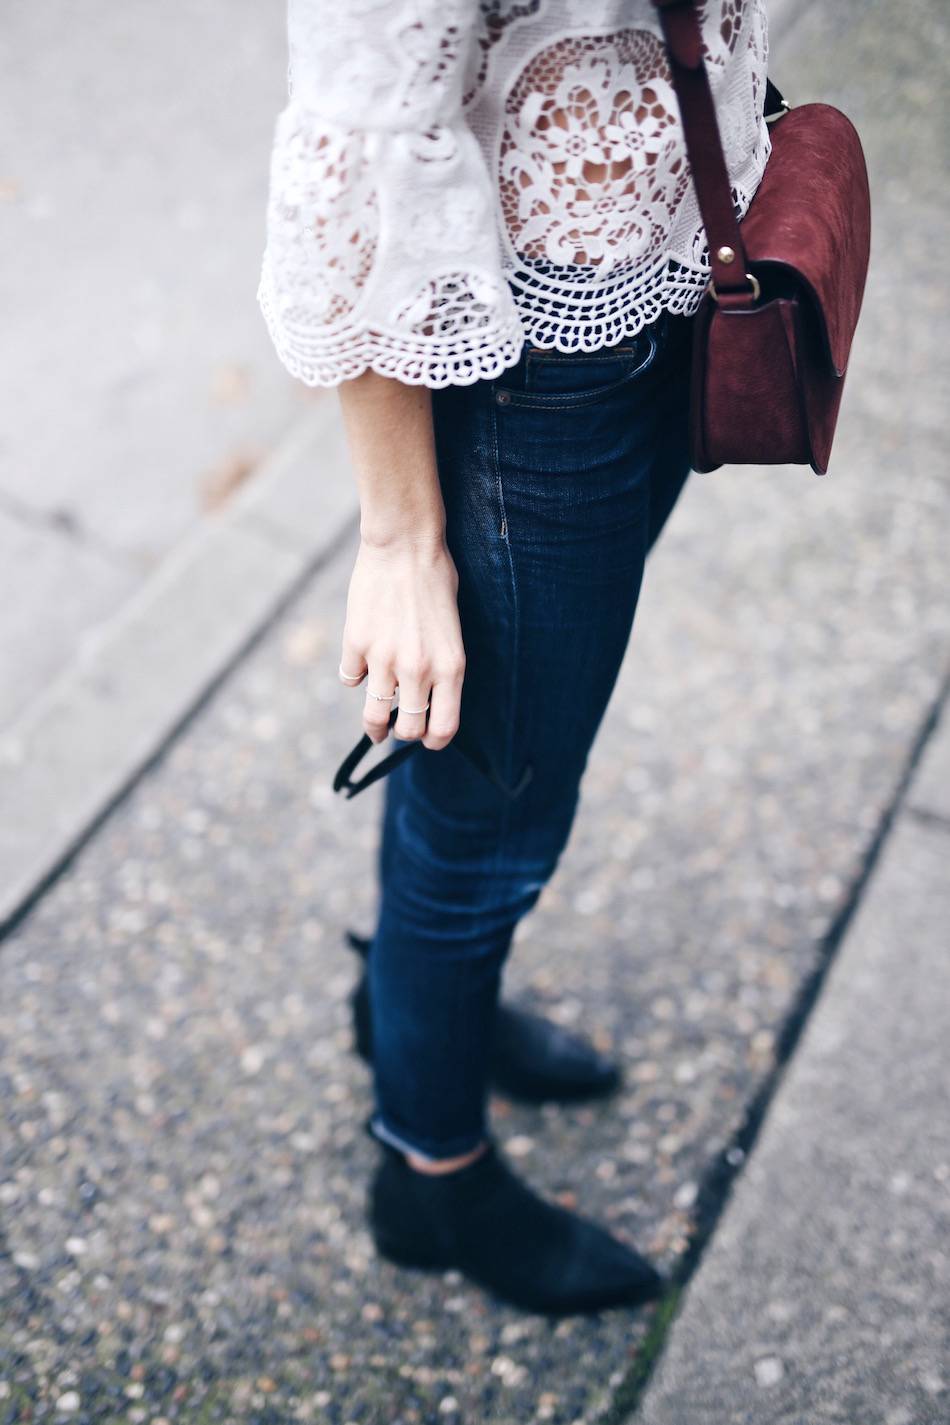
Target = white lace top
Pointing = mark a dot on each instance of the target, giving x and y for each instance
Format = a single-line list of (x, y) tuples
[(452, 177)]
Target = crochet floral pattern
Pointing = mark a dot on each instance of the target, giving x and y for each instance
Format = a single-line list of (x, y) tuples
[(451, 179)]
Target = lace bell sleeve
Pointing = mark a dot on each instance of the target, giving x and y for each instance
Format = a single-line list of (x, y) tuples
[(382, 247)]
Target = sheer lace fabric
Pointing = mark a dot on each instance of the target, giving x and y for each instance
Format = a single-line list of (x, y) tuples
[(451, 178)]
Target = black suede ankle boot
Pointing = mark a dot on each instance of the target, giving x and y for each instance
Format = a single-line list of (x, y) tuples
[(483, 1221), (532, 1059)]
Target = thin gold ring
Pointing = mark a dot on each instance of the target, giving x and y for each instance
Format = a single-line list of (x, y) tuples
[(413, 712), (351, 677), (381, 697)]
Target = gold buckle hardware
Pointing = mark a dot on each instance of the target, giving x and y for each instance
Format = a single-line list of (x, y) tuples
[(749, 277)]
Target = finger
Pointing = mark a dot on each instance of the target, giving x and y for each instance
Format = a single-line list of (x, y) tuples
[(414, 692), (444, 712), (380, 692), (352, 668)]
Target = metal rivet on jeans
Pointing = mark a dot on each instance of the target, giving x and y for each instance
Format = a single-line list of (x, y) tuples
[(502, 398)]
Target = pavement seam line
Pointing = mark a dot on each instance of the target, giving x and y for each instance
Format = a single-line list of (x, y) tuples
[(247, 519), (717, 1183), (74, 846)]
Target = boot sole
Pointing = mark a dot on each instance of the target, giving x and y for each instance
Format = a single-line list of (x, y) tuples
[(401, 1256), (581, 1307)]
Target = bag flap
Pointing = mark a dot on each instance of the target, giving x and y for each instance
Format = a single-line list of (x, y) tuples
[(811, 214)]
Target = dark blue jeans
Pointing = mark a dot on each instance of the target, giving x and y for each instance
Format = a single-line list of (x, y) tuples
[(557, 478)]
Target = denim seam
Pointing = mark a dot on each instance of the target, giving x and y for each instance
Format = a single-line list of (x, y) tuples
[(509, 770)]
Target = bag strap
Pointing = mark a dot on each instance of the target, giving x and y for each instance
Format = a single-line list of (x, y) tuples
[(727, 254)]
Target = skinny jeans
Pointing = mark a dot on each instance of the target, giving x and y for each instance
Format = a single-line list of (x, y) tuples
[(557, 478)]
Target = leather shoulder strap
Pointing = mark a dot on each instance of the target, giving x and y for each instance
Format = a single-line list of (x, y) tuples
[(683, 36)]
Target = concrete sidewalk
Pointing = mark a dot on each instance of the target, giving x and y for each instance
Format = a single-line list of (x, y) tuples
[(182, 1178), (139, 384), (825, 1296)]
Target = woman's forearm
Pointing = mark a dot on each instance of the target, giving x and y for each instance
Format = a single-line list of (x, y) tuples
[(389, 431), (402, 621)]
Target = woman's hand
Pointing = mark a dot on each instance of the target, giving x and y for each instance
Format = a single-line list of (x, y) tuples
[(402, 628)]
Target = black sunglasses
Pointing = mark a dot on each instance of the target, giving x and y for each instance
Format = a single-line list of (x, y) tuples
[(343, 781)]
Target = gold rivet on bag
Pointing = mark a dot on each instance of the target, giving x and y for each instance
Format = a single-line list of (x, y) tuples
[(726, 254)]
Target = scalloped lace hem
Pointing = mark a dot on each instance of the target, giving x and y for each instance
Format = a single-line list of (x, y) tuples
[(329, 358), (566, 323), (548, 312)]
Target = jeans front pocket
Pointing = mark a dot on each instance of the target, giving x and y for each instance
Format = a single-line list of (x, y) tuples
[(555, 380)]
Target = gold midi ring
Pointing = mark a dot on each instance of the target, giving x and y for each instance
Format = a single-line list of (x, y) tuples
[(351, 677), (413, 712), (381, 697)]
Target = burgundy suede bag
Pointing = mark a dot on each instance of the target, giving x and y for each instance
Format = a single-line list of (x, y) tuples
[(772, 337)]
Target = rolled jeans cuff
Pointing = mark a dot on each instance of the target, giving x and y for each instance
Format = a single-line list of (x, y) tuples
[(430, 1151)]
